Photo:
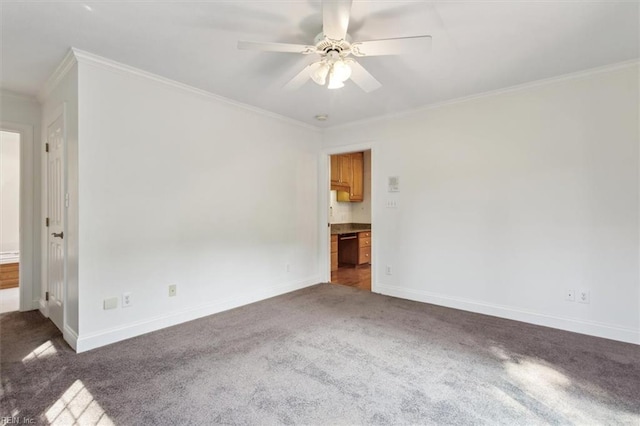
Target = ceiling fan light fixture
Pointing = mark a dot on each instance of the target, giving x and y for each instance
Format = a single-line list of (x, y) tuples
[(334, 81), (341, 70), (319, 73)]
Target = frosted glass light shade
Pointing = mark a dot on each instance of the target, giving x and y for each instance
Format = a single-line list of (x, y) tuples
[(341, 70), (319, 73), (334, 82)]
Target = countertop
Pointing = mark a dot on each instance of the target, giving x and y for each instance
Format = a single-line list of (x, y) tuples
[(348, 228)]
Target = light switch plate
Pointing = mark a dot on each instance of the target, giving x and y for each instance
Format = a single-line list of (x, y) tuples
[(394, 183), (111, 303)]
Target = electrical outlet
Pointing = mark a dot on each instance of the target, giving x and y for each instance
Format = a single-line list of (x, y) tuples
[(583, 296), (389, 270), (127, 300), (288, 267), (172, 290), (392, 204), (570, 295)]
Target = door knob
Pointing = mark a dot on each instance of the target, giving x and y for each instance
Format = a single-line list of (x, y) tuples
[(58, 235)]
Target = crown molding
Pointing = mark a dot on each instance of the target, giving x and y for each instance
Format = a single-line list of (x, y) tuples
[(60, 72), (92, 59), (491, 93), (5, 93)]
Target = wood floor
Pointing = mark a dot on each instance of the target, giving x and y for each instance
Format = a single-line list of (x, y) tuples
[(359, 277), (9, 275)]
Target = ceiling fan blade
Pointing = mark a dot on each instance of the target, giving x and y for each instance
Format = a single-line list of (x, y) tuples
[(335, 18), (392, 46), (276, 47), (300, 79), (362, 78)]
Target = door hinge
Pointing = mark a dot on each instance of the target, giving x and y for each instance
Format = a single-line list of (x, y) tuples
[(46, 296), (46, 147), (47, 222)]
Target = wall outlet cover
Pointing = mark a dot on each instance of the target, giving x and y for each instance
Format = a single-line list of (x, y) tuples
[(127, 300), (584, 296)]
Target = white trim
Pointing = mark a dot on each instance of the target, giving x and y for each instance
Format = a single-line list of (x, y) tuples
[(60, 72), (90, 59), (592, 328), (18, 96), (26, 226), (89, 341), (490, 93), (70, 336)]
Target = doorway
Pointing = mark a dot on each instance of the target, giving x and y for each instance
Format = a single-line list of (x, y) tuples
[(9, 221), (350, 223)]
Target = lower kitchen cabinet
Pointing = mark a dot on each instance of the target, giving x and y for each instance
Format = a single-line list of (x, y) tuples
[(354, 249), (364, 247)]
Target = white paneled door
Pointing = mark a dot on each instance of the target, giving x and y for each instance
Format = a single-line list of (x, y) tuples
[(56, 210)]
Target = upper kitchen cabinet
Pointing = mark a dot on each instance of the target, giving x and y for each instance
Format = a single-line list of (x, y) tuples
[(357, 177), (341, 172), (347, 176)]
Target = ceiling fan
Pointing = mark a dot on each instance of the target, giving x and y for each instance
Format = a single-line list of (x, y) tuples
[(334, 47)]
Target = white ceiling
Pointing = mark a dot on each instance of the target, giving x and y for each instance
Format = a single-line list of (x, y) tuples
[(478, 46)]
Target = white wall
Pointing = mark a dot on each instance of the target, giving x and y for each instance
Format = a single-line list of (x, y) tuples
[(9, 191), (180, 187), (20, 113), (510, 199)]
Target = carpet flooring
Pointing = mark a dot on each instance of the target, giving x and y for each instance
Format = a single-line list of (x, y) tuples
[(323, 355)]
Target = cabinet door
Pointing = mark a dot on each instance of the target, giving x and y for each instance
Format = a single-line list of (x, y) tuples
[(357, 177), (364, 255), (364, 247), (345, 169), (335, 170)]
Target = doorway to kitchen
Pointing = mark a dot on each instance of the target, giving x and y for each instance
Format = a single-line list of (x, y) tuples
[(350, 219)]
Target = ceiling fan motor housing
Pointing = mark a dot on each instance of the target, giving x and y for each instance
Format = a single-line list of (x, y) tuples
[(324, 45)]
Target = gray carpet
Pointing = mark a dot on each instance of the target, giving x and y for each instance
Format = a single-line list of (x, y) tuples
[(323, 355)]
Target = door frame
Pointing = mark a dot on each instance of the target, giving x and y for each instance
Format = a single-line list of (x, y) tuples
[(48, 121), (325, 201), (28, 236)]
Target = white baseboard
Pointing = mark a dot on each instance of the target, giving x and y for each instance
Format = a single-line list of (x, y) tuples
[(95, 340), (71, 337), (591, 328), (43, 308)]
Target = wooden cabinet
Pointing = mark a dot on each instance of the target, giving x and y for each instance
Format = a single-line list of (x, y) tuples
[(341, 172), (355, 249), (364, 247), (347, 176), (334, 253), (335, 171), (357, 177)]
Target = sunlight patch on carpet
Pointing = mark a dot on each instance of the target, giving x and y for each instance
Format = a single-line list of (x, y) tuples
[(43, 351), (77, 406)]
